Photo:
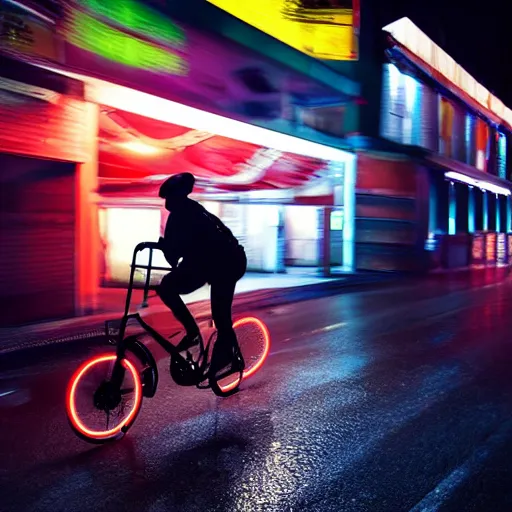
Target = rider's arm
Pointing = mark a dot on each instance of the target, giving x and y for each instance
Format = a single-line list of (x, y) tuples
[(171, 255), (171, 250)]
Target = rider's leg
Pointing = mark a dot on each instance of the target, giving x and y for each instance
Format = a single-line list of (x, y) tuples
[(181, 281), (222, 294)]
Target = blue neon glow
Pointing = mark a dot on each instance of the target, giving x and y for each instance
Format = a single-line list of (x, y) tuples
[(432, 217), (411, 94), (498, 216), (467, 136), (411, 88), (394, 80), (349, 217), (471, 210), (501, 163), (485, 205), (452, 210), (509, 214)]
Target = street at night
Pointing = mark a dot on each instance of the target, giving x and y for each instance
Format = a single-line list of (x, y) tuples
[(396, 398), (337, 171)]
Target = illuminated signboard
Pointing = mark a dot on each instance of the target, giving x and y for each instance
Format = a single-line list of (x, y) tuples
[(106, 29), (502, 248), (337, 220), (490, 247), (138, 18), (94, 36), (509, 248), (477, 249), (324, 29), (25, 33)]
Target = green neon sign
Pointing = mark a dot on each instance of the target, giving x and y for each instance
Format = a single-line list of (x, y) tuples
[(139, 18), (97, 37)]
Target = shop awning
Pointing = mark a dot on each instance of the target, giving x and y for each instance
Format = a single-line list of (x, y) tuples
[(137, 153), (446, 164)]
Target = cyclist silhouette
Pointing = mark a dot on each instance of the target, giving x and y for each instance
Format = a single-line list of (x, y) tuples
[(200, 250)]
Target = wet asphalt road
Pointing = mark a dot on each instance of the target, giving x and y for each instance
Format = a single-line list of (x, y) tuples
[(391, 400)]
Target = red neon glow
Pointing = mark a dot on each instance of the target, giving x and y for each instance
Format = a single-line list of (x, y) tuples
[(71, 406), (259, 363), (140, 151)]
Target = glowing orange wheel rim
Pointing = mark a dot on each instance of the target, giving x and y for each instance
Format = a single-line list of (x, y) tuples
[(73, 415), (257, 363)]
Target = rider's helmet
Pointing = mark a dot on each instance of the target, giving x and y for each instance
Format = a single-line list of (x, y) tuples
[(177, 186)]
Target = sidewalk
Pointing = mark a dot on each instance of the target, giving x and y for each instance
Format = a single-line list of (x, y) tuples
[(255, 291)]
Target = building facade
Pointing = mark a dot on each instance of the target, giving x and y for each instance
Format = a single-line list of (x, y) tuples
[(437, 187), (113, 97), (342, 146)]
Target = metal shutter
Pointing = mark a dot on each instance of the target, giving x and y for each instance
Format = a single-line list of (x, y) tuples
[(37, 239), (41, 129)]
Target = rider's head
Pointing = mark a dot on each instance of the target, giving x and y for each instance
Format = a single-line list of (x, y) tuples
[(176, 189)]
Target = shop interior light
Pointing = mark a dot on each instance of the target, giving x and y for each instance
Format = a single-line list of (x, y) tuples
[(494, 188), (157, 177), (485, 185), (460, 177), (139, 147)]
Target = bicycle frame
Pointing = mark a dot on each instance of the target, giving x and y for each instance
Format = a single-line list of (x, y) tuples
[(118, 372)]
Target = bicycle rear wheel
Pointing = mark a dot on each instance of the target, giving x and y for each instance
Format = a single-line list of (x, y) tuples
[(254, 343), (98, 411)]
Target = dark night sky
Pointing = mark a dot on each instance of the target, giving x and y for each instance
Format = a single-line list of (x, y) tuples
[(479, 39)]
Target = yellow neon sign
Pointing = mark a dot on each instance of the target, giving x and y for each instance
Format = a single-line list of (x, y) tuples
[(324, 33)]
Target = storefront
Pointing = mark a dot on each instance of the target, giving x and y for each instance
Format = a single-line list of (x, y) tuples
[(289, 201), (155, 98), (470, 217), (440, 175), (172, 98)]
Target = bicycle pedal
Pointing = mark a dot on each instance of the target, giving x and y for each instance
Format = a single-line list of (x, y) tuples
[(227, 373)]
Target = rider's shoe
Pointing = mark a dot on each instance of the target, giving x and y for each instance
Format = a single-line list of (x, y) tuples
[(189, 341), (226, 357)]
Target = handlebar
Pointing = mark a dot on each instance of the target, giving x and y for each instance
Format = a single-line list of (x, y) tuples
[(147, 245), (138, 248)]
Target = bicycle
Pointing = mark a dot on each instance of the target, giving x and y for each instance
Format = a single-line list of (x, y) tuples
[(132, 373)]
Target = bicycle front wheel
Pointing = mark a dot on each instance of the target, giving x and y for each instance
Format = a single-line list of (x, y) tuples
[(97, 410)]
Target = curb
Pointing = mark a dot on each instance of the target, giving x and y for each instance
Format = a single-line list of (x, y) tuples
[(90, 327)]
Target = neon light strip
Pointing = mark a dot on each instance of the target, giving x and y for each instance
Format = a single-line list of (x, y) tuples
[(452, 210), (485, 185), (416, 41), (460, 177), (91, 35), (138, 18), (471, 210), (147, 105)]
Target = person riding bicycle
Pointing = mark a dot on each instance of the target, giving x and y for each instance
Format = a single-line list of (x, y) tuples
[(200, 250)]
